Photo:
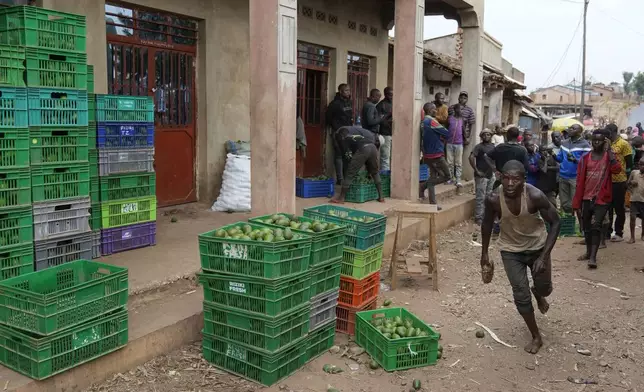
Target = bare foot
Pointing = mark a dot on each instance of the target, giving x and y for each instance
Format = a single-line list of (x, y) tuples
[(582, 242), (534, 346), (336, 201), (584, 257), (631, 241), (542, 303), (382, 200)]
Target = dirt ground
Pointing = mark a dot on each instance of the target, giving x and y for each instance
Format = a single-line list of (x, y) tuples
[(584, 315)]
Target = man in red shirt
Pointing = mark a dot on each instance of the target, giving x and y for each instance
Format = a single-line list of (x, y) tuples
[(595, 191)]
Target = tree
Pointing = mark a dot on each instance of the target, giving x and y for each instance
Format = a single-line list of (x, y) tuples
[(628, 77), (638, 84)]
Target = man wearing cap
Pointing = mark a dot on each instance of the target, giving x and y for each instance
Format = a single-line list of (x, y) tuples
[(469, 118)]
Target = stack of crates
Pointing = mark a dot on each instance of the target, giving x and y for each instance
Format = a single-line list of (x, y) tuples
[(256, 301), (361, 260), (60, 317), (16, 221), (55, 73), (327, 245), (126, 205)]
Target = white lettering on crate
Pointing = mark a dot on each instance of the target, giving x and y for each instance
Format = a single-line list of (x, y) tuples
[(237, 287), (127, 208), (236, 352), (237, 251)]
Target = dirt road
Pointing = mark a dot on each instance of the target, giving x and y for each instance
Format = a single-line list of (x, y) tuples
[(583, 316)]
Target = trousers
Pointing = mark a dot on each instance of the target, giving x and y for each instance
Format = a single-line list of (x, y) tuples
[(618, 209), (516, 266), (484, 187), (454, 153), (385, 154), (567, 188)]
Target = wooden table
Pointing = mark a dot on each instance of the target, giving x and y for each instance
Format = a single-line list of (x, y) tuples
[(422, 211)]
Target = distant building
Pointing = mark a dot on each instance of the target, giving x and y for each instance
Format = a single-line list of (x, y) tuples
[(562, 100)]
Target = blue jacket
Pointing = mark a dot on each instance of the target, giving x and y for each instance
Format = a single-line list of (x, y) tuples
[(432, 131), (579, 148)]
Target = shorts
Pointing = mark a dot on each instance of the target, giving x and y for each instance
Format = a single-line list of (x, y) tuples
[(637, 209)]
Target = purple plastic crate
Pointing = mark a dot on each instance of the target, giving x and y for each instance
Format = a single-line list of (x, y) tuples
[(307, 188), (125, 135), (120, 239)]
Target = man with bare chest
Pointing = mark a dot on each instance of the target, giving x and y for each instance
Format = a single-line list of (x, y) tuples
[(523, 241)]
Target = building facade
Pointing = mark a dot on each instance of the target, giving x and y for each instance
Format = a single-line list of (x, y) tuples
[(238, 70)]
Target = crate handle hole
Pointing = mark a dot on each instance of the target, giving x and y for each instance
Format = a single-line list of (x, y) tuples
[(1, 135), (63, 207), (57, 57), (61, 169), (63, 242), (4, 216), (3, 175), (378, 315), (60, 133), (103, 271), (59, 95), (4, 255)]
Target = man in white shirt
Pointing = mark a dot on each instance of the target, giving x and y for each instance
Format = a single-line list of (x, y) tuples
[(497, 137)]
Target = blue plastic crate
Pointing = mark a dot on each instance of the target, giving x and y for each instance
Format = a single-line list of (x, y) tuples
[(49, 106), (13, 107), (307, 188), (423, 173), (125, 135)]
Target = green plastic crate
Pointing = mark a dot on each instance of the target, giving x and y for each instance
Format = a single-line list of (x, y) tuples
[(91, 137), (14, 148), (61, 297), (399, 354), (90, 79), (359, 264), (94, 190), (14, 112), (128, 212), (127, 186), (12, 66), (320, 340), (15, 188), (51, 68), (121, 108), (42, 357), (58, 145), (359, 235), (254, 259), (261, 333), (41, 28), (95, 220), (91, 108), (51, 182), (386, 185), (361, 193), (325, 246), (16, 261), (256, 296), (326, 277), (93, 162), (16, 227), (254, 365)]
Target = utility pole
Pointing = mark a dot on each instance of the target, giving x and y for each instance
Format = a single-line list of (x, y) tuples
[(583, 65), (574, 94)]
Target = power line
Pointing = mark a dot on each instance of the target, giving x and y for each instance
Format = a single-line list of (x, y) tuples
[(563, 57)]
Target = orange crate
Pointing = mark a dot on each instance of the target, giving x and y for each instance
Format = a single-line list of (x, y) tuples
[(355, 293), (346, 316)]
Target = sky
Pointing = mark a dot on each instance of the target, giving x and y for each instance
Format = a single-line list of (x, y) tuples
[(536, 33)]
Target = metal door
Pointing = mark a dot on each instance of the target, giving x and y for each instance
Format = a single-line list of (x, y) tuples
[(154, 54), (312, 92), (358, 67)]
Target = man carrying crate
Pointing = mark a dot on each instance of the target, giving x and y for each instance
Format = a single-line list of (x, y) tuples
[(362, 147), (523, 242)]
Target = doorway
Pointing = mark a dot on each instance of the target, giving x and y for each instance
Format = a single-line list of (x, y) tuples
[(153, 53), (312, 91), (358, 67)]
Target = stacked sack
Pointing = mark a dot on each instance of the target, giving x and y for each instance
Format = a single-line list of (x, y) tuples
[(68, 312), (361, 260), (257, 278), (125, 206)]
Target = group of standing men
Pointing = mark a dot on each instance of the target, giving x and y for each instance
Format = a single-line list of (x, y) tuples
[(365, 142)]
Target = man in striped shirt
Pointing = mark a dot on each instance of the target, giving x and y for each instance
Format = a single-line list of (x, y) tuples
[(467, 113)]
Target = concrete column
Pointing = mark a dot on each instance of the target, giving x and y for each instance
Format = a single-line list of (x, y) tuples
[(408, 95), (472, 78), (273, 87)]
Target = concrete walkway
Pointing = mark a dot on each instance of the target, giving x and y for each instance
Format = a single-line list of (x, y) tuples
[(165, 305)]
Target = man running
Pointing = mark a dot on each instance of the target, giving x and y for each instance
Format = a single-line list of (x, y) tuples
[(523, 242)]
